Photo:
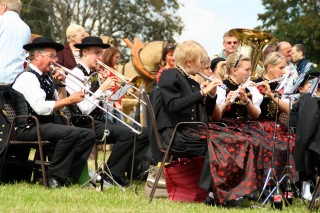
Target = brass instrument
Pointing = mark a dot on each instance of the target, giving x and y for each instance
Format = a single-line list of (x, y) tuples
[(251, 43)]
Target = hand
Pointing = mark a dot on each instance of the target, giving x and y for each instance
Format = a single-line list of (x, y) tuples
[(109, 84), (59, 74), (76, 97), (242, 94), (211, 88), (230, 94), (265, 88)]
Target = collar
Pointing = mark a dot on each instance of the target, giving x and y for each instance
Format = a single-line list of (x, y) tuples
[(85, 67), (183, 73), (36, 69)]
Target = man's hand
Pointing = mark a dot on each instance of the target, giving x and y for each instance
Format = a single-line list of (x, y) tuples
[(76, 97)]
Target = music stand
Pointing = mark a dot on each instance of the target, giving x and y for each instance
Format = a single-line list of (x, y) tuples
[(101, 171)]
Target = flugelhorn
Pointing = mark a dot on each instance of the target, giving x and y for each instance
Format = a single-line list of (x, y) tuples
[(122, 78)]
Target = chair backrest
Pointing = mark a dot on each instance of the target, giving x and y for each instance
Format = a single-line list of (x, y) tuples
[(153, 121)]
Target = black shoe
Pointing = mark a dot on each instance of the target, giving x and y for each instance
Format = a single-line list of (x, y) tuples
[(120, 180), (209, 201), (55, 183)]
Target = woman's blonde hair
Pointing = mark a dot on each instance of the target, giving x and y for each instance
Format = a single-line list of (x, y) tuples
[(221, 69), (234, 60), (273, 59), (73, 30), (189, 50)]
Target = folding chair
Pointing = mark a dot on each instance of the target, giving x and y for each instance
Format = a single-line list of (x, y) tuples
[(37, 144), (166, 151)]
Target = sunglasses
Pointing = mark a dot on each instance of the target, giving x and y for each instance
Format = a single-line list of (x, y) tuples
[(235, 66), (231, 42)]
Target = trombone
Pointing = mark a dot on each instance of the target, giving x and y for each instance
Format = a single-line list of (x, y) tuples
[(123, 78)]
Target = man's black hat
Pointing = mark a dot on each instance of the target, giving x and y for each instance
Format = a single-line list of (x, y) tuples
[(92, 41), (43, 42)]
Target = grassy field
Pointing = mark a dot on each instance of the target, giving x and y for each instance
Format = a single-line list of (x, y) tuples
[(27, 197)]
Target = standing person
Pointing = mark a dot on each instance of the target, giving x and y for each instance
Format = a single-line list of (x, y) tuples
[(167, 56), (299, 58), (230, 45), (122, 138), (69, 56), (14, 33), (183, 100), (36, 95)]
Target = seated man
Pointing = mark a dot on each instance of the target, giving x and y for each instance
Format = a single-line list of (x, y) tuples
[(35, 94), (119, 161)]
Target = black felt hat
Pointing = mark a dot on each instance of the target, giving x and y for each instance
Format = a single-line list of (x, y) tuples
[(43, 42), (215, 61), (92, 41)]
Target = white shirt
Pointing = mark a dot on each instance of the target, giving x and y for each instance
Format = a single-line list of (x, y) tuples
[(14, 33), (74, 85), (29, 86)]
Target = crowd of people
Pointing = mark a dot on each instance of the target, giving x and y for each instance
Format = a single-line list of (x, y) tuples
[(247, 136)]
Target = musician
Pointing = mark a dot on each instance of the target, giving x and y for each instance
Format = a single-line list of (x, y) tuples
[(69, 56), (230, 45), (120, 159), (36, 95), (246, 99), (299, 58), (182, 99)]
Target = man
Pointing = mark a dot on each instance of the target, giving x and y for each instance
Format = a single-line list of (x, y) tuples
[(91, 49), (285, 49), (299, 58), (14, 33), (35, 94), (230, 45)]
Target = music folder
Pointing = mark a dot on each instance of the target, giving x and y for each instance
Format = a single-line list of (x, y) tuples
[(120, 92)]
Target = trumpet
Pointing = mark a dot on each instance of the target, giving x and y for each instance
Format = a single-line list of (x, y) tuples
[(223, 86), (122, 78), (270, 81)]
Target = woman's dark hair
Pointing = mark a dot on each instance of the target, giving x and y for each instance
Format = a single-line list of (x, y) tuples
[(167, 48)]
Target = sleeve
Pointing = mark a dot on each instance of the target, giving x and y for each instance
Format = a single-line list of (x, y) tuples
[(171, 86), (28, 85), (257, 97), (74, 85)]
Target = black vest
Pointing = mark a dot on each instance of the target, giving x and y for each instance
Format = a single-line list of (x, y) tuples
[(97, 113), (22, 107)]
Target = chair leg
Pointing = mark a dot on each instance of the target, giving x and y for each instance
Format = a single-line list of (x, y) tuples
[(43, 169), (95, 156)]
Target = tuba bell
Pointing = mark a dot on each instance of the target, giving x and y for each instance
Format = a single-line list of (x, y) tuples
[(251, 43)]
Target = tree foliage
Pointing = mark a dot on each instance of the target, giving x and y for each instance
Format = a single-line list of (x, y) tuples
[(295, 21), (146, 19)]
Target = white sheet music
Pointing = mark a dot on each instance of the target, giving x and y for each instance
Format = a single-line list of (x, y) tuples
[(120, 92)]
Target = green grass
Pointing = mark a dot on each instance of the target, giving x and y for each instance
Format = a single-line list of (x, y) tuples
[(28, 197)]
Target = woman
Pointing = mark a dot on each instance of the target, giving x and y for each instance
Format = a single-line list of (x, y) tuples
[(167, 56), (231, 159), (69, 56), (242, 101)]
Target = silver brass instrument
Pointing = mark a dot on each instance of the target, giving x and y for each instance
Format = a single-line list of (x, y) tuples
[(122, 78), (223, 86), (270, 81), (251, 43)]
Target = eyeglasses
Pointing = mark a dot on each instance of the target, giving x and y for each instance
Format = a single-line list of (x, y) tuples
[(235, 66), (52, 57), (231, 42)]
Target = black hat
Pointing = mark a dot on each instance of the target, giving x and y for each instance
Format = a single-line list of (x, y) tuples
[(92, 41), (215, 61), (43, 42)]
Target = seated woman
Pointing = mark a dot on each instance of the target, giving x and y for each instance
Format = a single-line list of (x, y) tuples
[(242, 100), (167, 56), (230, 157)]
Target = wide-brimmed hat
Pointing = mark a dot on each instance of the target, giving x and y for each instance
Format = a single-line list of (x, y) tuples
[(91, 41), (43, 42)]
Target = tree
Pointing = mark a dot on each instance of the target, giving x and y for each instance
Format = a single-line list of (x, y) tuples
[(295, 21), (146, 19)]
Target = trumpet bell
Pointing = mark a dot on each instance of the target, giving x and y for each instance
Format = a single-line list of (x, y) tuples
[(251, 43)]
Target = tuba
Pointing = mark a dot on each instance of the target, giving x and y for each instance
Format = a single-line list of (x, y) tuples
[(251, 43)]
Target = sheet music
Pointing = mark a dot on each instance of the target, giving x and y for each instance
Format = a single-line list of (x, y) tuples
[(120, 92)]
